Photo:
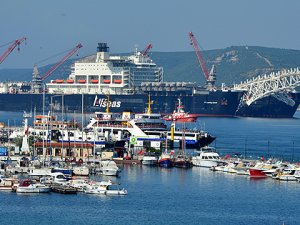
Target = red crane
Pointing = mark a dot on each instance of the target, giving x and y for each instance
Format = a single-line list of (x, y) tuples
[(210, 77), (53, 68), (11, 48), (144, 53)]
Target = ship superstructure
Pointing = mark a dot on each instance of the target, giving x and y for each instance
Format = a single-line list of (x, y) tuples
[(108, 74)]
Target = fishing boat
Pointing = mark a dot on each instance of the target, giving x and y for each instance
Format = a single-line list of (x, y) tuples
[(179, 115), (165, 160), (181, 161)]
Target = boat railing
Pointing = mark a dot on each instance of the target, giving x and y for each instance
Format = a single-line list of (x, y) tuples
[(113, 125)]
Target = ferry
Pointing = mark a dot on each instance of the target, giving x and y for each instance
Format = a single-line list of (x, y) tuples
[(145, 129)]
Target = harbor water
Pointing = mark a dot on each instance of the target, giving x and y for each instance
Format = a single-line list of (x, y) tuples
[(176, 196)]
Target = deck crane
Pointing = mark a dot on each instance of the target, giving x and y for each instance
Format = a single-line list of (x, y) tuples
[(209, 76), (149, 46), (37, 80), (11, 48), (54, 67)]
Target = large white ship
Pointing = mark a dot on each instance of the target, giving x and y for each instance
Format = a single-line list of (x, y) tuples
[(108, 74), (127, 79)]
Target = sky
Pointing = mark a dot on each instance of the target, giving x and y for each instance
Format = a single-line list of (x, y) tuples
[(55, 26)]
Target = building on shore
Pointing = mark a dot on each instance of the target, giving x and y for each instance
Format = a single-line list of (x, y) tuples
[(64, 149)]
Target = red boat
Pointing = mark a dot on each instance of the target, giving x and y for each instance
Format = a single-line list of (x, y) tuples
[(257, 172), (180, 115)]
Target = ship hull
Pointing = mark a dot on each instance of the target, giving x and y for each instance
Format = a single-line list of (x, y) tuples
[(216, 103)]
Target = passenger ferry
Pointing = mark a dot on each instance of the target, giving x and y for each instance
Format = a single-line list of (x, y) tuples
[(146, 129)]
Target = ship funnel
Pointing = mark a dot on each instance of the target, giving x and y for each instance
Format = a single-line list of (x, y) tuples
[(102, 47), (102, 52)]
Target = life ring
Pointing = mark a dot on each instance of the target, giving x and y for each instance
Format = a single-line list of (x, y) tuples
[(133, 163)]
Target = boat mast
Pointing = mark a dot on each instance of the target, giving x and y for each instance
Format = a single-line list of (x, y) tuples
[(183, 139), (149, 105), (107, 105)]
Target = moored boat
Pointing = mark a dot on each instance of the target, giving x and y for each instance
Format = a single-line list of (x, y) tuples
[(108, 168), (206, 157), (165, 160), (7, 183), (150, 159), (28, 186), (181, 161), (105, 188)]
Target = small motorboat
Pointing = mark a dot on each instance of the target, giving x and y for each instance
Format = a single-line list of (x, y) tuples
[(79, 184), (108, 168), (28, 186), (105, 187), (81, 171), (149, 159)]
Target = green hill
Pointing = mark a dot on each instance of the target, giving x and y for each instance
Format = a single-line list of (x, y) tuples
[(234, 64)]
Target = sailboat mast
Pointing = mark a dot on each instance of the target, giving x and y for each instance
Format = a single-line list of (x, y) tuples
[(183, 139)]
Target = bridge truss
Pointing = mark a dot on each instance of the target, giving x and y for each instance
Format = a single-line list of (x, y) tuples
[(275, 84)]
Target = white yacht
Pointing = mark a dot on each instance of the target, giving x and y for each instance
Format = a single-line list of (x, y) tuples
[(108, 168), (206, 157), (150, 159)]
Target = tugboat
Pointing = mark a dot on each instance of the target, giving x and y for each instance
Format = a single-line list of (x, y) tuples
[(180, 115)]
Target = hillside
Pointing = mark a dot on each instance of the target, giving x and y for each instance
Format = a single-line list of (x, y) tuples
[(234, 64)]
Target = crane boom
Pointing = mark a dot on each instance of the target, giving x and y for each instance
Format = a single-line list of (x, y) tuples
[(53, 68), (11, 48), (199, 56), (149, 46)]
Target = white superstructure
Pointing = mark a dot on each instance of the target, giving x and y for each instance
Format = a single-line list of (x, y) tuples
[(107, 74)]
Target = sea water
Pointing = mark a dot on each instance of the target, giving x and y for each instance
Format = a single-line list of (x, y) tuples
[(177, 196)]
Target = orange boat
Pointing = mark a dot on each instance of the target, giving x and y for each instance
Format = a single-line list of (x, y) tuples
[(117, 81), (70, 81), (106, 81), (95, 81), (81, 81)]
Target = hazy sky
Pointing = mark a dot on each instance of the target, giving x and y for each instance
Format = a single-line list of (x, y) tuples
[(53, 26)]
